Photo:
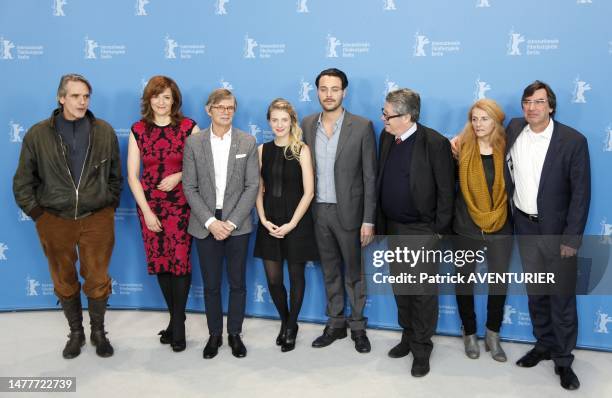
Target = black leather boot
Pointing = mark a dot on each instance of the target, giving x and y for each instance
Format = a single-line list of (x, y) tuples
[(74, 314), (290, 337), (97, 309)]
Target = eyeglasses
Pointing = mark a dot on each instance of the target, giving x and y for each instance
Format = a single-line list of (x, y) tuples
[(538, 103), (224, 109), (389, 117)]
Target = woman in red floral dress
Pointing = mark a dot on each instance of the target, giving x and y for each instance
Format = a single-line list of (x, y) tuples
[(157, 140)]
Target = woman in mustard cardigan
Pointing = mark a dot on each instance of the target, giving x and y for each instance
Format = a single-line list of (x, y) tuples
[(482, 219)]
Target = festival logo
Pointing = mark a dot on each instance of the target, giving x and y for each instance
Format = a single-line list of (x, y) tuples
[(249, 46), (606, 232), (481, 89), (225, 84), (16, 131), (123, 213), (264, 50), (94, 50), (220, 7), (125, 289), (390, 85), (140, 8), (601, 322), (389, 5), (185, 51), (35, 288), (302, 7), (517, 41), (608, 139), (580, 87), (3, 249), (508, 312), (305, 89), (8, 49), (438, 48), (420, 41), (58, 8), (6, 46), (32, 286), (336, 48), (260, 290)]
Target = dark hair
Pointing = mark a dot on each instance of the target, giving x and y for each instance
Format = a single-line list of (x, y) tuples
[(155, 86), (333, 72), (550, 94), (70, 77)]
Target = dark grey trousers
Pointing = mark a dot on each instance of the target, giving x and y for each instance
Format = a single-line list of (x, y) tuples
[(340, 252)]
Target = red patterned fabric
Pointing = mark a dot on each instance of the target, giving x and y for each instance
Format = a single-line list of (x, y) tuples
[(161, 152)]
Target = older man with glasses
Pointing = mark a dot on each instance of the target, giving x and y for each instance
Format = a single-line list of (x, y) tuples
[(220, 180)]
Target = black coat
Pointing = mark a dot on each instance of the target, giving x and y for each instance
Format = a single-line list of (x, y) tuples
[(432, 181)]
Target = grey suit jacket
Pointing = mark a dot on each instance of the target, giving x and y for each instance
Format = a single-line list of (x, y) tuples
[(354, 168), (199, 182)]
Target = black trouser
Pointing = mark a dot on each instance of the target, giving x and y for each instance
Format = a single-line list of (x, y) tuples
[(498, 252), (554, 316), (212, 252), (417, 313)]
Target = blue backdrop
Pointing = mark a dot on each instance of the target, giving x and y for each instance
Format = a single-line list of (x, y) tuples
[(451, 51)]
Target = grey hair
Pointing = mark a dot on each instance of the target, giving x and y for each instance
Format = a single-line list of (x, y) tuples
[(70, 77), (405, 102)]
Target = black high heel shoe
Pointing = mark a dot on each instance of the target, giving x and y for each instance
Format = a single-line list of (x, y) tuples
[(178, 346), (290, 337), (281, 334), (165, 336)]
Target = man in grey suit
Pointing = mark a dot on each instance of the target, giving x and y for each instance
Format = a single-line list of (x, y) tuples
[(220, 180), (344, 154)]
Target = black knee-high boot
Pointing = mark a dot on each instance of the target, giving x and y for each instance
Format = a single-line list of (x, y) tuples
[(165, 283), (74, 314), (97, 310)]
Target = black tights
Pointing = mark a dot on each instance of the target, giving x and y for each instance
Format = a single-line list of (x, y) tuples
[(274, 274), (175, 290)]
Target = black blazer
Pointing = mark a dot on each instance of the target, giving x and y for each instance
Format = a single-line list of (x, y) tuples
[(432, 179), (564, 194)]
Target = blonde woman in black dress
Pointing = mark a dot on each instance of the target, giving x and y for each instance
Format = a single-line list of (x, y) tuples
[(286, 231)]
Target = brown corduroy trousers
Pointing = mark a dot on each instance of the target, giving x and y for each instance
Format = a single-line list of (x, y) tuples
[(93, 237)]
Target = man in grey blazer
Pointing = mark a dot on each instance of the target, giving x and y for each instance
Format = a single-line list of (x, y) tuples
[(220, 181), (344, 154)]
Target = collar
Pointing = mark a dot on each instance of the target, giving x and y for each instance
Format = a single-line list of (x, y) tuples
[(215, 137), (58, 111), (408, 132), (338, 122), (546, 134)]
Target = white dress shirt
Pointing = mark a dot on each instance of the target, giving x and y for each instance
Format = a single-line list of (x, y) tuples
[(220, 150), (528, 154)]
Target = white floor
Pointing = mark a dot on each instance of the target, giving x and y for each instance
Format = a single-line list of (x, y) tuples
[(141, 367)]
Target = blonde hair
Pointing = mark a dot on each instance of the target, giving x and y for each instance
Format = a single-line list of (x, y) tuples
[(291, 151), (468, 138)]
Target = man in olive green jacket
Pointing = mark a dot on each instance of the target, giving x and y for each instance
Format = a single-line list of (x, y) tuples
[(69, 180)]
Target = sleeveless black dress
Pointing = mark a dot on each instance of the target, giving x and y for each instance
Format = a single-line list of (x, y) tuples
[(283, 192)]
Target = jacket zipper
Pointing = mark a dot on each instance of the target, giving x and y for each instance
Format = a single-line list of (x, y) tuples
[(76, 187)]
